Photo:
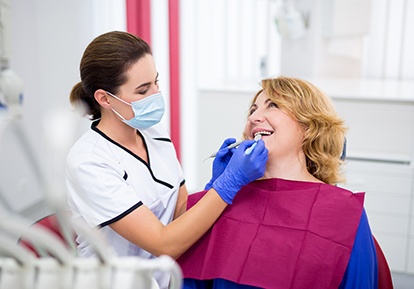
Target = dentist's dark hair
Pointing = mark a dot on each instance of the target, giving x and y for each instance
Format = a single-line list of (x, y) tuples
[(104, 65)]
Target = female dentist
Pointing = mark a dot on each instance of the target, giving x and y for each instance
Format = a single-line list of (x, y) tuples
[(123, 175)]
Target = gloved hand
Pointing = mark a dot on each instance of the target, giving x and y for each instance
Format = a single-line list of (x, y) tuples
[(241, 170), (221, 160)]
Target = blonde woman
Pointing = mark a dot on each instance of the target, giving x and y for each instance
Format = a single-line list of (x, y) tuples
[(293, 228)]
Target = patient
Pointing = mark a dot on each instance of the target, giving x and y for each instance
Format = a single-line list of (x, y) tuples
[(294, 228)]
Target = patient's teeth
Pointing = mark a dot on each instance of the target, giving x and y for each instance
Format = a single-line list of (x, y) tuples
[(261, 133)]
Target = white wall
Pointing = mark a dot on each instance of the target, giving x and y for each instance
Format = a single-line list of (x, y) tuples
[(222, 43), (348, 39), (48, 39)]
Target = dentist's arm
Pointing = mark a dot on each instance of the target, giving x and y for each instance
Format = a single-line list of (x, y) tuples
[(143, 228)]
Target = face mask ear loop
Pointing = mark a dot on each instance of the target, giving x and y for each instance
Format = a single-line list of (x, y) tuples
[(118, 114), (116, 97), (121, 100)]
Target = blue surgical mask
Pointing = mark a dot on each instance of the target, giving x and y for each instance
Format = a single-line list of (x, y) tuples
[(147, 111)]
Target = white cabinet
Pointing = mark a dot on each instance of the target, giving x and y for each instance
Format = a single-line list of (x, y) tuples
[(388, 201), (380, 158)]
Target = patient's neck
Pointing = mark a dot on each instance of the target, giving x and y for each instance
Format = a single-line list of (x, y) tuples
[(289, 170)]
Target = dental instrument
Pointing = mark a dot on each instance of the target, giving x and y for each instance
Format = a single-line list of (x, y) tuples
[(233, 145), (250, 149), (237, 143)]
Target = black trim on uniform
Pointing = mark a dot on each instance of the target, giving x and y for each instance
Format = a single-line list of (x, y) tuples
[(162, 139), (94, 128), (182, 183), (125, 177), (117, 218)]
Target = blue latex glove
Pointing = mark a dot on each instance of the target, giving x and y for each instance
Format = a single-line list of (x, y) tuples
[(241, 170), (221, 160)]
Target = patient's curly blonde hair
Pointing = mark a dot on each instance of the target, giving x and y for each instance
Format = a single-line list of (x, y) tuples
[(324, 136)]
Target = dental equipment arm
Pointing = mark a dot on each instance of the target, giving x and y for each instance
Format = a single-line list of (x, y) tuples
[(39, 237), (11, 86), (8, 247)]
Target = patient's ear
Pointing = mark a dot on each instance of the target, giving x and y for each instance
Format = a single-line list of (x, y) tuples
[(102, 97)]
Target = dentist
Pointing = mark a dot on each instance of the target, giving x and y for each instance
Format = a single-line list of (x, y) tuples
[(123, 176)]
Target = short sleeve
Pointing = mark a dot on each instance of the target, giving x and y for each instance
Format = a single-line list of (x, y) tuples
[(97, 190)]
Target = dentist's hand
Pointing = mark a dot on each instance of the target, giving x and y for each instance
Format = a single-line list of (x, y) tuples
[(241, 170), (221, 160)]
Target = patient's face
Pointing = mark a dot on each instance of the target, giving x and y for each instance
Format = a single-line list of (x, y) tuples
[(282, 134)]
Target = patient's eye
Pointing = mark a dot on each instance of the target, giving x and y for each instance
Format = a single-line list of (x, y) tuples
[(272, 104), (252, 109)]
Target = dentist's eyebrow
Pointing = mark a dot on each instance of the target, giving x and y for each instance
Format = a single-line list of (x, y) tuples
[(146, 83)]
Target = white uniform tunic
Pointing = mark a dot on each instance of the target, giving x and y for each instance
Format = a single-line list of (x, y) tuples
[(106, 181)]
